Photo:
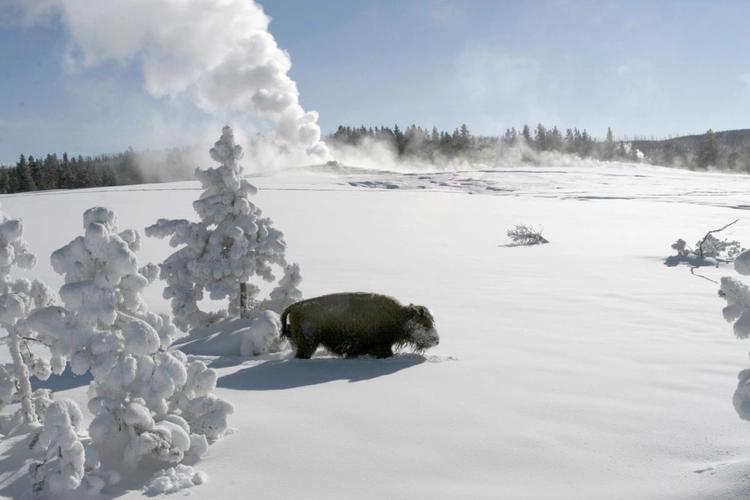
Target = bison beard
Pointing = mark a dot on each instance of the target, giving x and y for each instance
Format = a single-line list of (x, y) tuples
[(357, 324)]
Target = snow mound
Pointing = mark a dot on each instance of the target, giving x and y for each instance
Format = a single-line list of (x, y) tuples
[(742, 263), (175, 479), (234, 337), (440, 359)]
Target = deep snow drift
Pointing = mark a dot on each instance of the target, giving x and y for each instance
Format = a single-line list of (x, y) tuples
[(584, 368)]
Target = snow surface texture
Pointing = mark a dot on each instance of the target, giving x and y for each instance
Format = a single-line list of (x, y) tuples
[(230, 245), (586, 368)]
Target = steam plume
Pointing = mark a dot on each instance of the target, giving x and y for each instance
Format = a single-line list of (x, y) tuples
[(218, 53)]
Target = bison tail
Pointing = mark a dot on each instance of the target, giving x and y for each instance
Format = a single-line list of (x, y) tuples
[(284, 325)]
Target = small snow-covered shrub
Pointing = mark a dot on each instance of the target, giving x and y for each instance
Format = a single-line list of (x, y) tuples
[(69, 464), (526, 235), (737, 311), (230, 245), (235, 337), (708, 251), (682, 247), (710, 247), (142, 395), (63, 467), (263, 335)]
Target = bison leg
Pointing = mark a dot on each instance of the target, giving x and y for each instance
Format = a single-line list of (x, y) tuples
[(305, 350), (383, 352)]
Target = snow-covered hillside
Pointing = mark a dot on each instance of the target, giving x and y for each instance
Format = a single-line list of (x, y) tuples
[(581, 369)]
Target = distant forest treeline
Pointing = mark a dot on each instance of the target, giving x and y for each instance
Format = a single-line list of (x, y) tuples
[(427, 144), (121, 169), (729, 150)]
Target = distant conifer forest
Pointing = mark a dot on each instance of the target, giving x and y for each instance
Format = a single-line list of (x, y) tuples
[(728, 150), (74, 172)]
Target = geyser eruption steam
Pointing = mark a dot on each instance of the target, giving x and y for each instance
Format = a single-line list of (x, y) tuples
[(218, 53)]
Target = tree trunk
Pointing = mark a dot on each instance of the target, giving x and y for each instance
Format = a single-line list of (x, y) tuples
[(243, 300), (22, 376)]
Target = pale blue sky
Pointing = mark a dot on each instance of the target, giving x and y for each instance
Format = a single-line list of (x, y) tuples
[(655, 68)]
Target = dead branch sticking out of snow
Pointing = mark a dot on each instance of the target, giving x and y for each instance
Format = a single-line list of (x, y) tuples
[(526, 235), (705, 238)]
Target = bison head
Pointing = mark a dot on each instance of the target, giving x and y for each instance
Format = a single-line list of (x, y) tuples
[(421, 328)]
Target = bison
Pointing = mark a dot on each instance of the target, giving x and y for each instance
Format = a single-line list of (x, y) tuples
[(356, 324)]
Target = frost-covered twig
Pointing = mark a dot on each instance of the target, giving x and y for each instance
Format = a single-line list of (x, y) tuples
[(30, 339), (708, 234)]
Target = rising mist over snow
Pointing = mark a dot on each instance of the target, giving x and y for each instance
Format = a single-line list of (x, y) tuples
[(382, 156)]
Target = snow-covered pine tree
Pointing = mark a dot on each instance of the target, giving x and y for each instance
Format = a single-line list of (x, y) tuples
[(220, 254), (146, 399), (17, 299), (737, 311)]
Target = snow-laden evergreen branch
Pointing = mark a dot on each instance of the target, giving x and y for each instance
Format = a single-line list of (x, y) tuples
[(286, 292)]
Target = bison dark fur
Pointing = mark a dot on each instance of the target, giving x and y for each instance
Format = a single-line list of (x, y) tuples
[(356, 324)]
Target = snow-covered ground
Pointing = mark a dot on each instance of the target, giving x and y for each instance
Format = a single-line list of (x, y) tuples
[(581, 369)]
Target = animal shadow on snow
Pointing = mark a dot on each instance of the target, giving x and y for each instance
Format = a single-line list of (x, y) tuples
[(276, 375)]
